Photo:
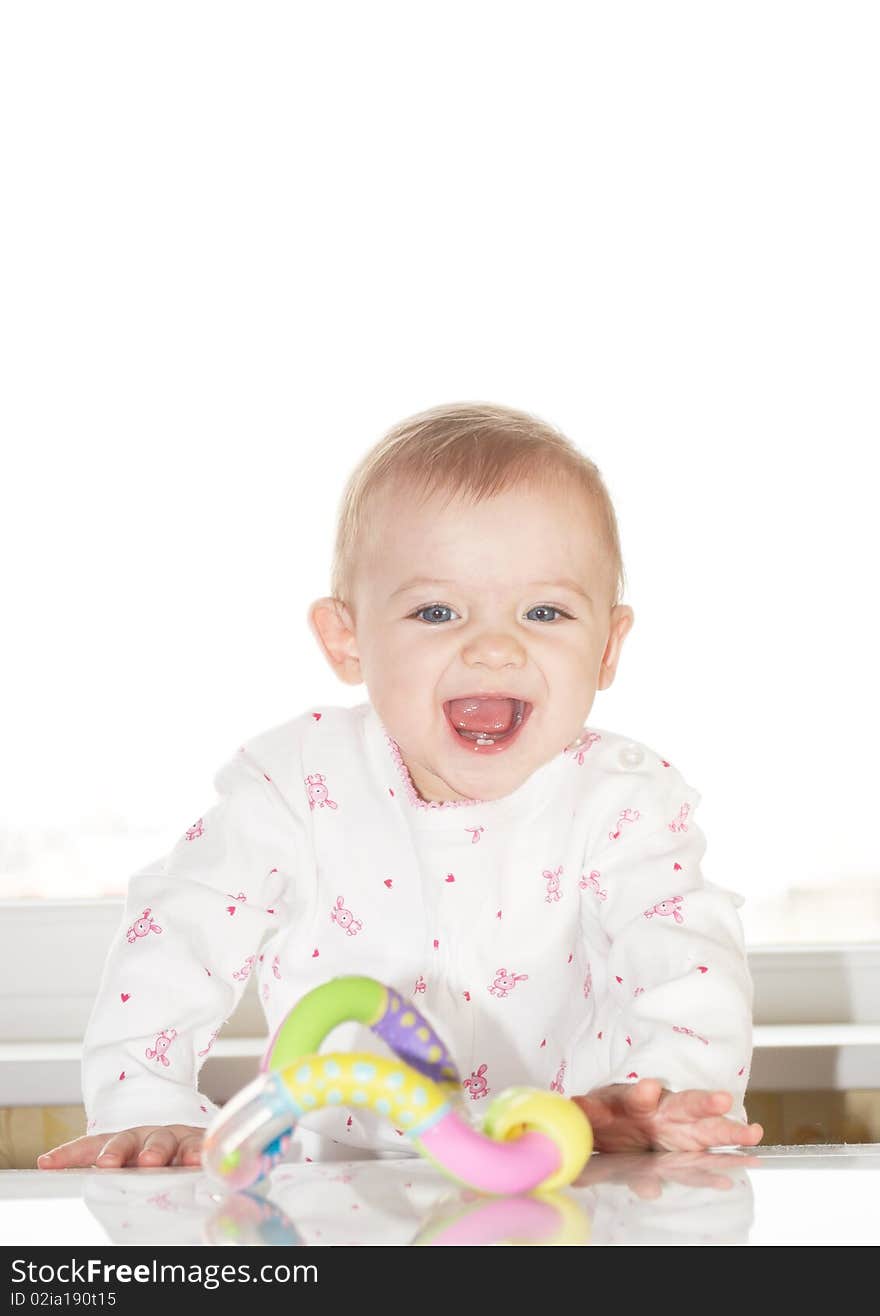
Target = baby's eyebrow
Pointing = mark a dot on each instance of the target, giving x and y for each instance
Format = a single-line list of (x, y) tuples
[(422, 582)]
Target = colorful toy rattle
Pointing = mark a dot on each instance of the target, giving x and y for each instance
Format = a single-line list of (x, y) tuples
[(530, 1138)]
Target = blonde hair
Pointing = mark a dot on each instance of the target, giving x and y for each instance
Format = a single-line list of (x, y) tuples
[(465, 449)]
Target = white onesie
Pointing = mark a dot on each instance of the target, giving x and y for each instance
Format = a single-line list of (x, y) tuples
[(561, 937)]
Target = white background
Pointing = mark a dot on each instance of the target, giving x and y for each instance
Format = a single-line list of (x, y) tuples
[(239, 241)]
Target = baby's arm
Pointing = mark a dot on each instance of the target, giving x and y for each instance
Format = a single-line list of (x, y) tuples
[(176, 969), (680, 1044)]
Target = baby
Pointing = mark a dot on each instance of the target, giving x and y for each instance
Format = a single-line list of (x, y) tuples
[(533, 883)]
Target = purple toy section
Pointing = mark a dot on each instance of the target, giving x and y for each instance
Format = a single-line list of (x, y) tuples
[(405, 1042)]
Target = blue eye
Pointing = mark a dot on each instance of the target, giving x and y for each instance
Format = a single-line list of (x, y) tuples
[(443, 607), (548, 607), (433, 607)]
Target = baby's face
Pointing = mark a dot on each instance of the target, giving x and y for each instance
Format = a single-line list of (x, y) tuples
[(487, 628)]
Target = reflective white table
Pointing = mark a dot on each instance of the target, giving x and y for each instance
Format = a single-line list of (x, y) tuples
[(770, 1195)]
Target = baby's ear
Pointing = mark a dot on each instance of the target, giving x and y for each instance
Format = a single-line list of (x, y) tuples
[(622, 620), (332, 625)]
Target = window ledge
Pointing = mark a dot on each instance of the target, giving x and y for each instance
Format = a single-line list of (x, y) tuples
[(787, 1058), (49, 1073)]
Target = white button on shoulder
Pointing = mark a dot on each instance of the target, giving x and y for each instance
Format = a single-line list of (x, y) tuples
[(631, 756)]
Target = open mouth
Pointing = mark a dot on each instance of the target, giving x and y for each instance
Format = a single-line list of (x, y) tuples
[(487, 739)]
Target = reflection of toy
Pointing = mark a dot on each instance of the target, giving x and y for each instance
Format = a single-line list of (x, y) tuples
[(530, 1138), (246, 1219), (550, 1219)]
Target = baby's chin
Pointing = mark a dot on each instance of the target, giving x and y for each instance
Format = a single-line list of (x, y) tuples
[(484, 781), (447, 787)]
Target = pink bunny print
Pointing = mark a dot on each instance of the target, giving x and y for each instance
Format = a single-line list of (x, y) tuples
[(588, 984), (592, 882), (690, 1033), (680, 825), (421, 985), (276, 966), (556, 1084), (318, 792), (579, 747), (505, 982), (197, 829), (345, 919), (628, 815), (244, 971), (163, 1041), (142, 926), (667, 908), (552, 880), (477, 1086)]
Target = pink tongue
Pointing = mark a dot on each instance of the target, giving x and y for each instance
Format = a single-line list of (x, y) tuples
[(494, 715)]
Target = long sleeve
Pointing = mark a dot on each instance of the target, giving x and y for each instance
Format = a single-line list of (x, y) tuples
[(677, 967), (185, 947)]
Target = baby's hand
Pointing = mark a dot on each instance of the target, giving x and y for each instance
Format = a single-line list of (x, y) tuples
[(645, 1115), (147, 1145)]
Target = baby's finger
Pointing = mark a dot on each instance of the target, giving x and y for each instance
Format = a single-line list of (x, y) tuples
[(118, 1149), (189, 1150), (159, 1147), (745, 1135), (725, 1133), (642, 1097), (77, 1152), (696, 1104)]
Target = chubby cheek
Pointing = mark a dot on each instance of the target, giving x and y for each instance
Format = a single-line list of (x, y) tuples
[(408, 671), (405, 697)]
